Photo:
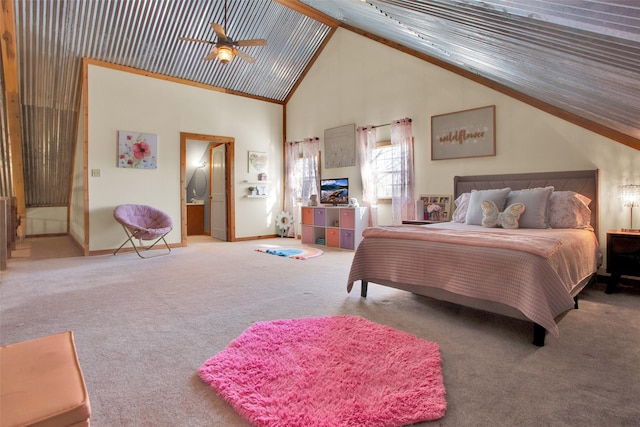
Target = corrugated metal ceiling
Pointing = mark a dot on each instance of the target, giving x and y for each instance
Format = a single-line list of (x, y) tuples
[(54, 35), (579, 56)]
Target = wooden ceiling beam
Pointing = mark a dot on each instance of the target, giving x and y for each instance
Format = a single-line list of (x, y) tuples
[(310, 12), (12, 99)]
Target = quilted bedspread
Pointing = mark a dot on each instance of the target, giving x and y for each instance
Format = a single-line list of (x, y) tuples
[(530, 270)]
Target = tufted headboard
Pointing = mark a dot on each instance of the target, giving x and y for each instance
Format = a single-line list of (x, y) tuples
[(584, 182)]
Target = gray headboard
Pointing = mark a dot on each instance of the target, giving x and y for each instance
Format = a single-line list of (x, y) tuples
[(584, 182)]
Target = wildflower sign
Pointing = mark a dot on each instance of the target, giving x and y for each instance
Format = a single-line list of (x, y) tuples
[(137, 150), (469, 133)]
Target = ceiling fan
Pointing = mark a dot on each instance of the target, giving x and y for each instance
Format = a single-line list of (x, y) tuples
[(224, 48)]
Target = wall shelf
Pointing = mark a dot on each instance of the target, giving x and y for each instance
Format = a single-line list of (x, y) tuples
[(263, 185)]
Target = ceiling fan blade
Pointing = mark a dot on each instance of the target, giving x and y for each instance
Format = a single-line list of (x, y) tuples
[(219, 32), (252, 42), (212, 55), (195, 40), (245, 56)]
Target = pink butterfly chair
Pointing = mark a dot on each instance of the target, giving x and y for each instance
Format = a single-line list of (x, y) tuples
[(143, 223)]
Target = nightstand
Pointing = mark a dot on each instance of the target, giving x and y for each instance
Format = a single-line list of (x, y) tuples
[(623, 256)]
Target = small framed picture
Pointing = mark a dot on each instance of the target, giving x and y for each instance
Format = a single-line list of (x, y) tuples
[(257, 162), (436, 207)]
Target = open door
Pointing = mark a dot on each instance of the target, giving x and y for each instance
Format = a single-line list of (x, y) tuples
[(218, 187), (224, 191)]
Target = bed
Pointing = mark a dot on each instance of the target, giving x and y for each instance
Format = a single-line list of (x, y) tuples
[(533, 272)]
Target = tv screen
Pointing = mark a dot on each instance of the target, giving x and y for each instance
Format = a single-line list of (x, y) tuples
[(334, 191)]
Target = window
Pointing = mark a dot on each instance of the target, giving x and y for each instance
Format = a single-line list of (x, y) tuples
[(387, 164), (305, 173), (306, 179), (387, 171)]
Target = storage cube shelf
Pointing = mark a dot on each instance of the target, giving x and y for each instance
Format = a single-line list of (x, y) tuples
[(337, 227)]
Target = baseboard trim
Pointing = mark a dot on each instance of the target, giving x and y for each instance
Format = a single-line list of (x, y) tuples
[(31, 236), (266, 236)]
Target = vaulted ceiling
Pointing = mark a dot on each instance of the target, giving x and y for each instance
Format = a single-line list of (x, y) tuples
[(578, 59)]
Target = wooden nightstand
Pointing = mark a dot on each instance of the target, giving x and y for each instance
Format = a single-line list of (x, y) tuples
[(623, 256)]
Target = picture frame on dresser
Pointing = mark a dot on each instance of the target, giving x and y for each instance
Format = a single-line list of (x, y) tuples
[(426, 207)]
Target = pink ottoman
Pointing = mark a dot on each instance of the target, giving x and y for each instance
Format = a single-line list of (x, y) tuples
[(41, 384)]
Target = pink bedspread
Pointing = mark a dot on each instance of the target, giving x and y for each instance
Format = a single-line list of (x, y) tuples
[(533, 271), (542, 245)]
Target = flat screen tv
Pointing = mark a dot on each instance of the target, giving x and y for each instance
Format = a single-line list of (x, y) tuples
[(334, 191)]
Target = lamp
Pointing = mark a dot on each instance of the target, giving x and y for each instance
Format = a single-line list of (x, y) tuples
[(225, 54), (630, 195)]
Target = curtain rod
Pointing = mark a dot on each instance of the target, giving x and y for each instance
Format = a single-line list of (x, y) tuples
[(299, 142), (386, 124)]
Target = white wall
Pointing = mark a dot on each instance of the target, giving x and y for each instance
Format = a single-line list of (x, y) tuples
[(42, 221), (120, 100), (357, 80)]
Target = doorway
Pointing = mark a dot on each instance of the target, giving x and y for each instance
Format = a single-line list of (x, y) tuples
[(221, 151)]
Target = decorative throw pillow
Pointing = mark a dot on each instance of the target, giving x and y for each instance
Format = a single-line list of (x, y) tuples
[(568, 209), (474, 211), (462, 204), (492, 217), (537, 202)]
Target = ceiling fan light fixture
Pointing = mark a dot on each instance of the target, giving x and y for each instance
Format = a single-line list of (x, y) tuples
[(225, 54)]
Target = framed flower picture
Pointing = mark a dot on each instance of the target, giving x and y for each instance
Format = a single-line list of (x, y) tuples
[(137, 150)]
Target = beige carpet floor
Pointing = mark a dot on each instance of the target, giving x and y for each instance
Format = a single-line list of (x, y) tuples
[(143, 327)]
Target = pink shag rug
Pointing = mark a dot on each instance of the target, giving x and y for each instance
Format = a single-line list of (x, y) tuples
[(329, 371)]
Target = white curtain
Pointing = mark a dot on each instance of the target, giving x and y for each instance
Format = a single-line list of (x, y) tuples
[(310, 169), (302, 176), (366, 145), (291, 182), (403, 197)]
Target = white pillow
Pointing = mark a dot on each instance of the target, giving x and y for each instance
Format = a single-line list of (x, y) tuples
[(462, 204), (474, 211), (537, 202)]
